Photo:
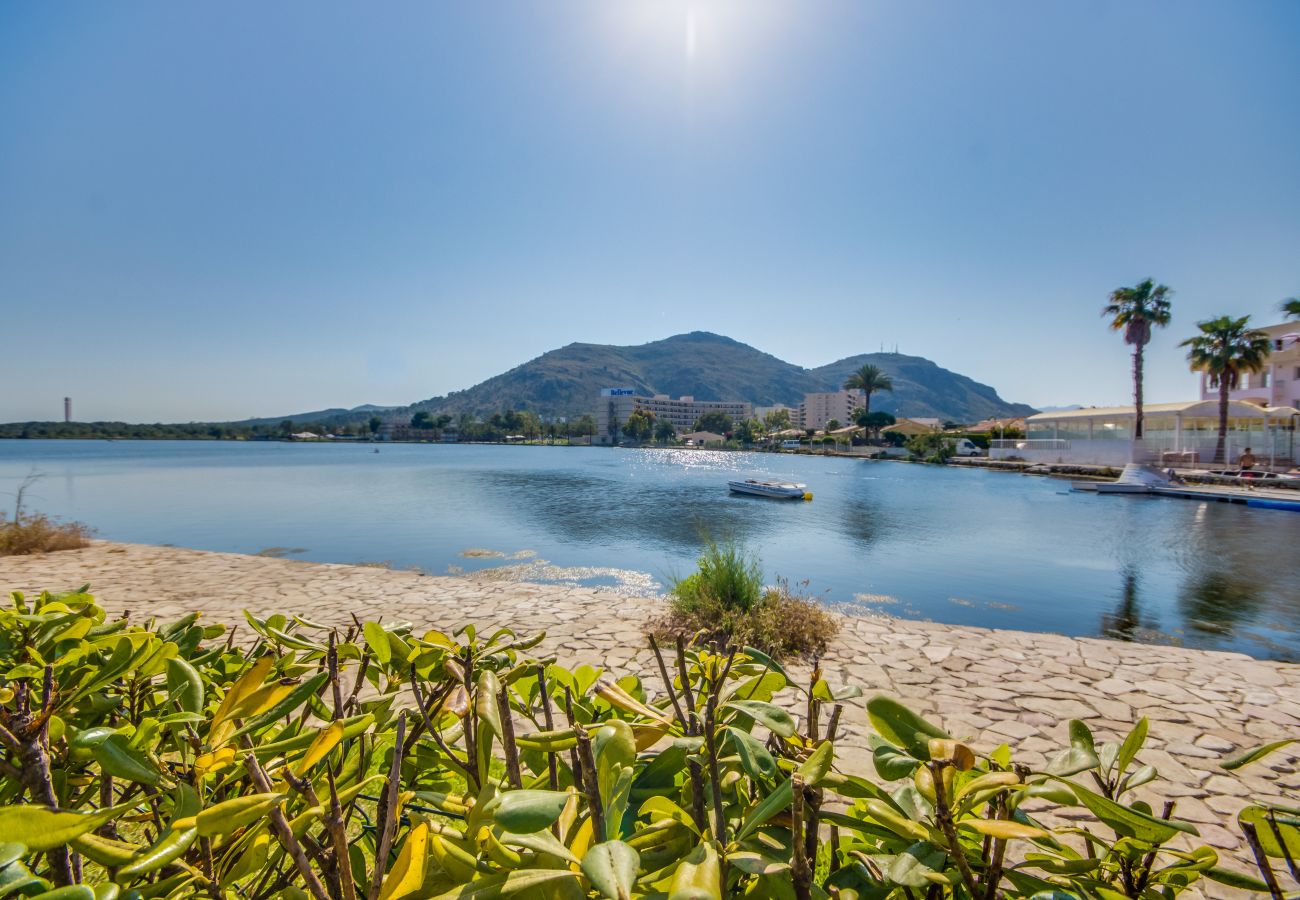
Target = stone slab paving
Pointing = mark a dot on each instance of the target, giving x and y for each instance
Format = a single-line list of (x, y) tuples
[(986, 686)]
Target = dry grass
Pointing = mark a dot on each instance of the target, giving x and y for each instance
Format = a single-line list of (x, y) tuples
[(781, 623), (40, 534)]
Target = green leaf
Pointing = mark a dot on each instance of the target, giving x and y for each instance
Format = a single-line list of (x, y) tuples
[(898, 724), (1130, 822), (120, 760), (816, 766), (539, 842), (1268, 839), (1081, 736), (40, 828), (754, 758), (918, 866), (892, 763), (824, 692), (754, 863), (524, 812), (1071, 761), (774, 717), (1128, 751), (1236, 879), (611, 868), (1254, 754), (507, 884), (698, 877), (770, 805), (287, 704), (377, 641)]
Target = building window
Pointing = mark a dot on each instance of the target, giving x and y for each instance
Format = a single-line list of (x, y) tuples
[(1264, 379)]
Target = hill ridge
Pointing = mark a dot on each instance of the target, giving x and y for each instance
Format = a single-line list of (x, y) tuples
[(708, 366)]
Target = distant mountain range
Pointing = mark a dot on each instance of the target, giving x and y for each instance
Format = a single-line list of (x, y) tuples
[(567, 381)]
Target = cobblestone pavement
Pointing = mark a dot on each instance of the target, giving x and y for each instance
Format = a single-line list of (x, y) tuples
[(985, 686)]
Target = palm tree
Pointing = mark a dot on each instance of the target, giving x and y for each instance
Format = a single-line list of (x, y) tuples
[(1135, 310), (1291, 308), (1226, 349), (868, 379)]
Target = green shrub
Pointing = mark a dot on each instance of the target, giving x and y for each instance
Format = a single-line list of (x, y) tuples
[(932, 448), (379, 762), (727, 575)]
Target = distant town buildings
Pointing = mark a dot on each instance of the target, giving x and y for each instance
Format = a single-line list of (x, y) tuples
[(615, 405), (1279, 383), (818, 409)]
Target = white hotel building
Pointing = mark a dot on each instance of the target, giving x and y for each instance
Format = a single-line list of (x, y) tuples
[(616, 404), (818, 409)]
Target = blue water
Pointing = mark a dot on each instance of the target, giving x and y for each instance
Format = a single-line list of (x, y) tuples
[(962, 546)]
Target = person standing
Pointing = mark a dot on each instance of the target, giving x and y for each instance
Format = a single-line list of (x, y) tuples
[(1246, 461)]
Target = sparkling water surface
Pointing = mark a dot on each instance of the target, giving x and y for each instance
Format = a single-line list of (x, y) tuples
[(961, 546)]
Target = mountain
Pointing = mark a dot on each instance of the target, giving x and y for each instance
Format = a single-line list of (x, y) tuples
[(922, 388), (322, 415), (566, 382)]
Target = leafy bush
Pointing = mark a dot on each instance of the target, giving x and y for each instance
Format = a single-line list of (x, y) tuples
[(932, 448), (38, 533), (161, 761)]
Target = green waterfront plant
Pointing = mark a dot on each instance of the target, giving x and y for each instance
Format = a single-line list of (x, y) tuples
[(148, 760), (1272, 831)]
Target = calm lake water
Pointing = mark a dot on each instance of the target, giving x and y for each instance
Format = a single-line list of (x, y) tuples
[(962, 546)]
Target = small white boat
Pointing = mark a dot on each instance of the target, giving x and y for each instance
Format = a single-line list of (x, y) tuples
[(777, 490)]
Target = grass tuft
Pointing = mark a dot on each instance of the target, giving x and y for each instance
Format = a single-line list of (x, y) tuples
[(724, 602), (40, 534)]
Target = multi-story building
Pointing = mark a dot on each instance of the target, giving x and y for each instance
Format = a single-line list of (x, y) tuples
[(1279, 383), (818, 409), (616, 404)]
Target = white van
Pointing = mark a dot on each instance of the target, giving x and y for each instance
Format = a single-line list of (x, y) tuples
[(790, 445), (964, 447)]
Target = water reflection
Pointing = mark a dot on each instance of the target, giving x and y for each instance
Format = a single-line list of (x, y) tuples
[(1218, 601), (586, 509), (1125, 623)]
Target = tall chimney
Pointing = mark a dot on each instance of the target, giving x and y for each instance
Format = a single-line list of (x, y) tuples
[(67, 409)]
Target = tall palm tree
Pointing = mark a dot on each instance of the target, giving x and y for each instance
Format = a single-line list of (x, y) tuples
[(1291, 308), (1226, 349), (1134, 310), (868, 379)]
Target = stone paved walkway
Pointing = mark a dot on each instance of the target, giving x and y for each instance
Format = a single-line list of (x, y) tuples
[(985, 686)]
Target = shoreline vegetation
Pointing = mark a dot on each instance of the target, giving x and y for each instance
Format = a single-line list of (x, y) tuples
[(390, 761)]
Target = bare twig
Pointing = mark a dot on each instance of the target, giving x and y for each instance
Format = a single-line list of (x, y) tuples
[(668, 682), (801, 872), (551, 768), (591, 785), (1261, 860), (386, 813), (280, 825), (508, 747)]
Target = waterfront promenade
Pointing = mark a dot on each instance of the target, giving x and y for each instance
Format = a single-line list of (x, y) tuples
[(982, 685)]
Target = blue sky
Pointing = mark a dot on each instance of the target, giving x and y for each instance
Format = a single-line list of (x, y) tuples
[(214, 211)]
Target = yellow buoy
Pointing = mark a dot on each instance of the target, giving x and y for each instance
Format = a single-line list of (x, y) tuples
[(808, 496)]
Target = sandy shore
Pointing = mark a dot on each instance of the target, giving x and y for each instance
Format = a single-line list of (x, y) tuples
[(985, 686)]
